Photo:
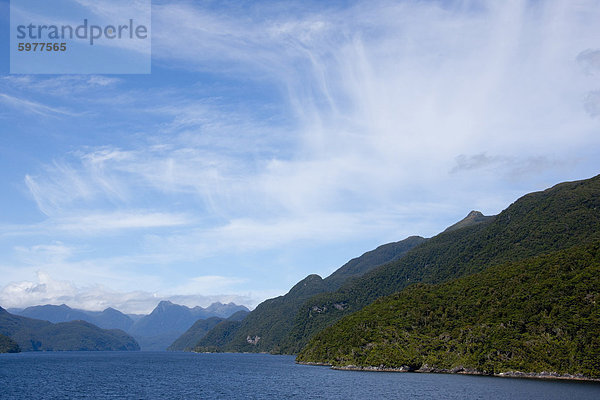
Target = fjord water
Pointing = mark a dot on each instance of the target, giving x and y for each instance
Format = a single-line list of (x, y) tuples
[(163, 375)]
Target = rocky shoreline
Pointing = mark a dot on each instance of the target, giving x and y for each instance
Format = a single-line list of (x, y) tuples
[(457, 370)]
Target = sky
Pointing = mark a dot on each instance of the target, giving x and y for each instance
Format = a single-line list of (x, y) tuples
[(273, 140)]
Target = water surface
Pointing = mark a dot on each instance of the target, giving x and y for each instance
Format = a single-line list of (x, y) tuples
[(163, 375)]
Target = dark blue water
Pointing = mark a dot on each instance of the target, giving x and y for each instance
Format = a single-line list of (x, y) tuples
[(146, 375)]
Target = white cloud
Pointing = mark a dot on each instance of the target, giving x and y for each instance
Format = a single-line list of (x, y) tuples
[(208, 285), (44, 253), (46, 290), (60, 85), (379, 120), (33, 107), (102, 222), (589, 60), (388, 101)]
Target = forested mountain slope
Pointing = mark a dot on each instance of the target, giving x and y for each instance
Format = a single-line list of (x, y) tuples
[(538, 223), (540, 314)]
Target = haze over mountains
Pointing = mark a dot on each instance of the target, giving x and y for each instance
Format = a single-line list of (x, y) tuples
[(159, 329), (38, 335), (155, 331), (107, 319)]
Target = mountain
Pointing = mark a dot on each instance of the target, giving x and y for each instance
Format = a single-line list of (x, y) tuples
[(191, 337), (224, 310), (155, 331), (538, 223), (267, 326), (369, 260), (168, 321), (52, 313), (7, 345), (220, 335), (107, 319), (37, 335), (112, 319), (473, 218), (537, 315)]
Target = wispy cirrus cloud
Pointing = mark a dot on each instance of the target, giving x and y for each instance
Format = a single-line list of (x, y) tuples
[(34, 107), (60, 85), (295, 129)]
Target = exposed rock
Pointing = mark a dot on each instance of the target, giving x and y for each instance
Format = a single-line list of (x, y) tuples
[(252, 339)]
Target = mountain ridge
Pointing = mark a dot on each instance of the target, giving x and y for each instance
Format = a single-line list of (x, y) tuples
[(168, 321), (37, 335), (267, 326), (539, 315), (155, 331), (536, 223)]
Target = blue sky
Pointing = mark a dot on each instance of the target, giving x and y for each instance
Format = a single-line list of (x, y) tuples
[(277, 139)]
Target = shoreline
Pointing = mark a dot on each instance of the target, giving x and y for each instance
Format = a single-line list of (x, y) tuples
[(459, 371)]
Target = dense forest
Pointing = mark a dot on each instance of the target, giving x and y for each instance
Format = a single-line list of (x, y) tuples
[(7, 345), (540, 314), (538, 223)]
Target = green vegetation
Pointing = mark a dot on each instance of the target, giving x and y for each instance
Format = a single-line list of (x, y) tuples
[(7, 345), (192, 336), (360, 265), (534, 315), (270, 321), (538, 223), (219, 338), (474, 217), (273, 319), (37, 335)]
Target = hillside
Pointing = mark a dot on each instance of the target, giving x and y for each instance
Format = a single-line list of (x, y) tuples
[(7, 345), (360, 265), (107, 319), (168, 321), (537, 223), (267, 326), (37, 335), (191, 337), (541, 314), (219, 336), (473, 218)]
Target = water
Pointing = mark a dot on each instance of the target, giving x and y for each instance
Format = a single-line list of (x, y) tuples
[(148, 375)]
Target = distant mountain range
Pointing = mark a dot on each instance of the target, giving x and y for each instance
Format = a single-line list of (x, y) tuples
[(155, 331), (489, 295), (159, 329), (107, 319), (540, 232), (37, 335)]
